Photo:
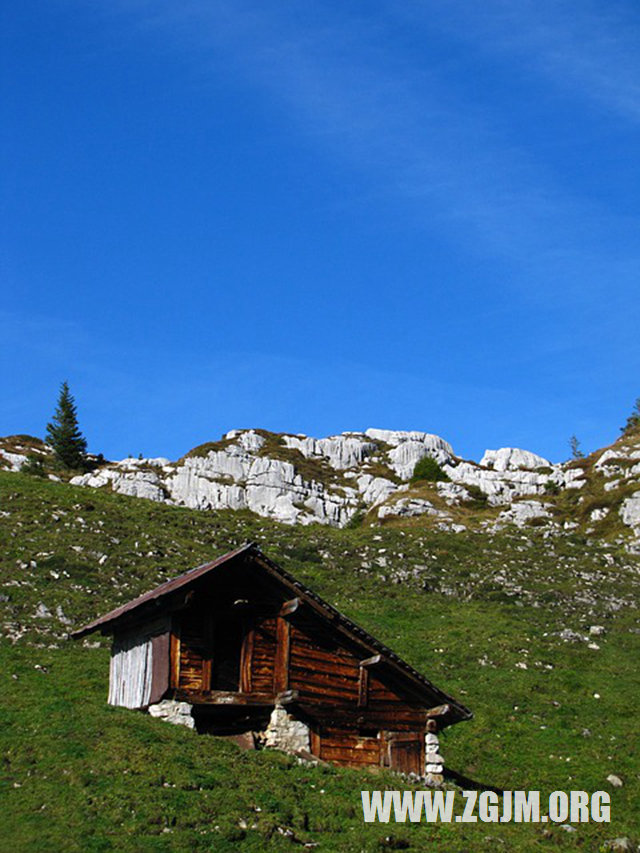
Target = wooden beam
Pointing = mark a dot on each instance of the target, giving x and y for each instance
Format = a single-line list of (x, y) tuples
[(281, 663), (438, 711), (226, 698), (290, 607), (246, 660), (206, 658), (174, 669), (363, 687)]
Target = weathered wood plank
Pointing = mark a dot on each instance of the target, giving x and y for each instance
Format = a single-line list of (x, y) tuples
[(175, 655), (309, 676), (323, 665), (363, 687), (281, 663), (246, 663)]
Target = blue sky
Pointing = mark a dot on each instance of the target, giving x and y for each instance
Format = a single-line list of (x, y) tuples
[(321, 216)]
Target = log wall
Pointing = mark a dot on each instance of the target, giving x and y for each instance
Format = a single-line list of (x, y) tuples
[(358, 711)]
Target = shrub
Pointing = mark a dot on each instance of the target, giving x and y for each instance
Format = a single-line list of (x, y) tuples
[(33, 466), (428, 469)]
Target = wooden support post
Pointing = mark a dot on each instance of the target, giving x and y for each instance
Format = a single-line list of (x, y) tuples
[(363, 687), (281, 666), (174, 669), (246, 657)]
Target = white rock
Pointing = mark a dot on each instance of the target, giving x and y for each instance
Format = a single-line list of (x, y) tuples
[(287, 733), (144, 462), (16, 460), (512, 459), (453, 493), (240, 475), (340, 451), (395, 437), (522, 512), (375, 489), (141, 485), (630, 512), (250, 440), (606, 456), (172, 711), (409, 507), (574, 478)]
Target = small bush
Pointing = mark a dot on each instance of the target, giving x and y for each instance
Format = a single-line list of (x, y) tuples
[(428, 469), (34, 466), (478, 497), (356, 520)]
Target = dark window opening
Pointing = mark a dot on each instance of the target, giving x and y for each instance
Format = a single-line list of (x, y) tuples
[(227, 649), (365, 732)]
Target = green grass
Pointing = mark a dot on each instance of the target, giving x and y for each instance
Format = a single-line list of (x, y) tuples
[(465, 609)]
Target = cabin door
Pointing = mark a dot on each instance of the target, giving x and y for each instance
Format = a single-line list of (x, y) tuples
[(405, 752)]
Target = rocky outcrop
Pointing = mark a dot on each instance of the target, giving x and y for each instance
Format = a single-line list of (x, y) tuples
[(298, 479), (630, 512), (409, 507), (513, 459), (13, 461), (523, 512)]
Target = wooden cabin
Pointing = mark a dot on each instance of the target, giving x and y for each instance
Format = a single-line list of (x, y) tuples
[(240, 638)]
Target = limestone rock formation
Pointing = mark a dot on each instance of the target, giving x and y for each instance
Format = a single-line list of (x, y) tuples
[(298, 479)]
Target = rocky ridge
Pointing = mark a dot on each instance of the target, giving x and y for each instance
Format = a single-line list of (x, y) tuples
[(298, 479)]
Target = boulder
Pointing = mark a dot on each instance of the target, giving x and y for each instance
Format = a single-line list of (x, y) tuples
[(630, 512), (522, 512), (513, 459)]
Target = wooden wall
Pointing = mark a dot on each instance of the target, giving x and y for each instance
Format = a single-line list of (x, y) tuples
[(359, 712)]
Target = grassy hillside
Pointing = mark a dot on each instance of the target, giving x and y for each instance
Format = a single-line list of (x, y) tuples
[(480, 614)]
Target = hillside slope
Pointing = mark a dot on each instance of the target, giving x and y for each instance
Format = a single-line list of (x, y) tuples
[(500, 617)]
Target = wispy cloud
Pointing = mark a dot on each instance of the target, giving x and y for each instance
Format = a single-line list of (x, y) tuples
[(417, 140), (589, 48)]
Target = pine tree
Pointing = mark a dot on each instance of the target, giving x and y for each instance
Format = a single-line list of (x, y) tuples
[(63, 433), (574, 444), (634, 418)]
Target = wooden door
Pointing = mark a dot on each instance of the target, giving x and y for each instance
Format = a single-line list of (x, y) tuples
[(405, 752)]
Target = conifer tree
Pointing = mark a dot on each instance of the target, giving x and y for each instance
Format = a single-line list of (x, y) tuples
[(634, 418), (63, 433), (574, 444)]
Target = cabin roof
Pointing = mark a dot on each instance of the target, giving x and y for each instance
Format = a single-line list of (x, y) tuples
[(455, 712)]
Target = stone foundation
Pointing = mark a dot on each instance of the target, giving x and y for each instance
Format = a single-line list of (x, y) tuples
[(285, 732), (434, 762), (178, 713)]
